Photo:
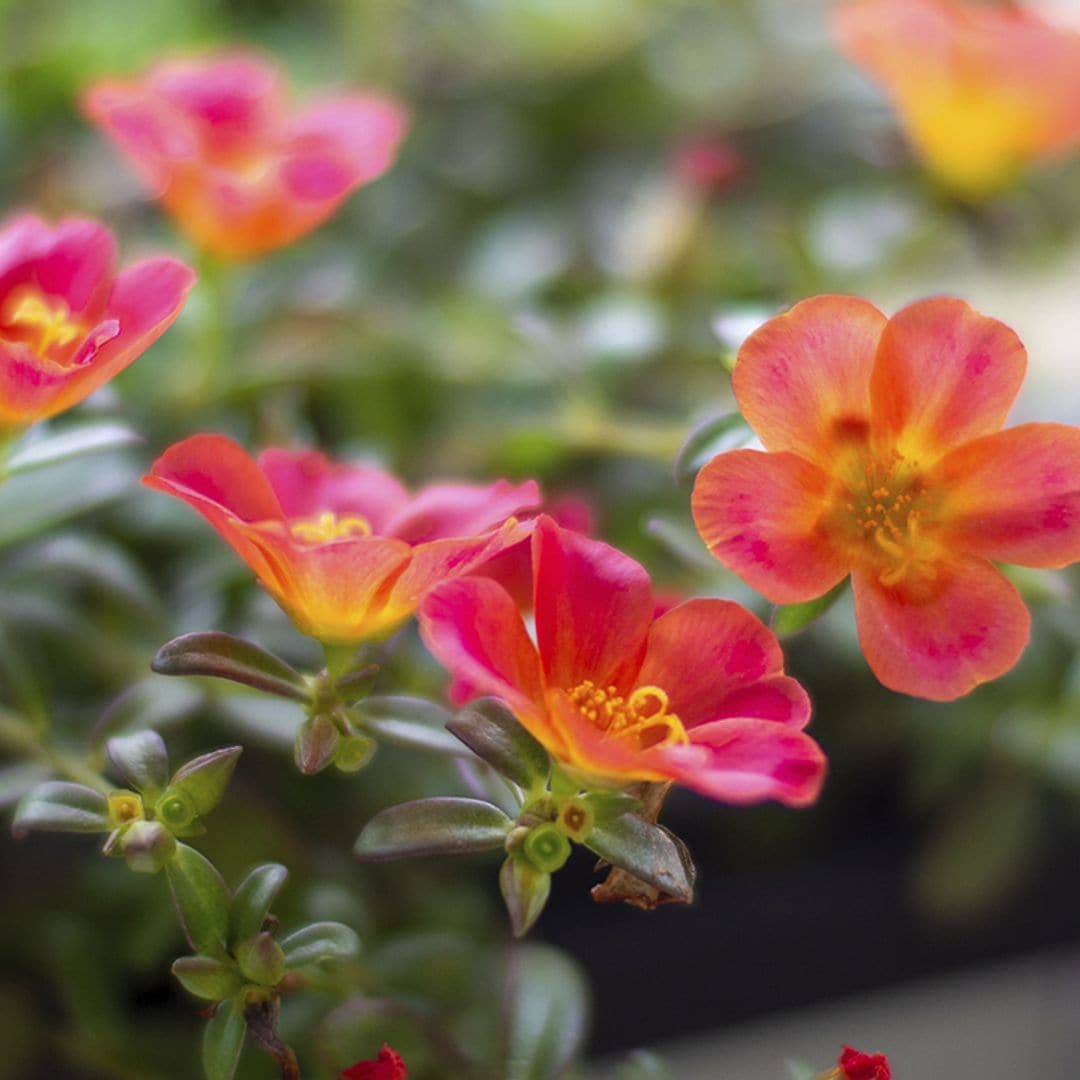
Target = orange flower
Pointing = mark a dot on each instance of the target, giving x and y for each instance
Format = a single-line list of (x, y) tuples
[(344, 549), (981, 89), (886, 461), (68, 321), (242, 176)]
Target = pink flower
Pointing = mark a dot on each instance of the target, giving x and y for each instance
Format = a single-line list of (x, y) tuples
[(68, 321), (212, 138), (855, 1065), (698, 695), (389, 1065)]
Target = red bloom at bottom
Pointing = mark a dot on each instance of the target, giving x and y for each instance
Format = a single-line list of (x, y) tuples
[(855, 1065), (387, 1066)]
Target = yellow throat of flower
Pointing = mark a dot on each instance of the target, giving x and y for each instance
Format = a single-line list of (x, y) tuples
[(643, 716), (328, 526), (44, 323)]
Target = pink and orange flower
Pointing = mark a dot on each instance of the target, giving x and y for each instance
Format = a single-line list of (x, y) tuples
[(344, 549), (981, 89), (212, 138), (698, 695), (389, 1065), (886, 461), (68, 321)]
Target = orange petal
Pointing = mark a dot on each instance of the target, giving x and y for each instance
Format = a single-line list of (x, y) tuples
[(944, 375), (803, 379), (940, 644), (1015, 496), (760, 515)]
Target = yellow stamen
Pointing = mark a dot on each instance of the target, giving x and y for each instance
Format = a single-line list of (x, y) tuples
[(641, 715), (46, 322), (328, 526)]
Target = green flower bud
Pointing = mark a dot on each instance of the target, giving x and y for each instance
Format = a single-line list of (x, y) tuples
[(354, 752), (547, 848), (576, 819), (147, 846), (261, 959), (175, 811), (124, 808)]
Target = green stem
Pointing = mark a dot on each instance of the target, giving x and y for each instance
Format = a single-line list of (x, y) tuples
[(20, 735), (213, 340)]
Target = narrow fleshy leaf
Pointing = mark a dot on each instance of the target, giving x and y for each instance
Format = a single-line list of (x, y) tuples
[(490, 730), (223, 656), (203, 780), (791, 618), (223, 1041), (317, 942), (316, 743), (548, 1008), (412, 722), (62, 807), (202, 900), (711, 437), (74, 442), (206, 977), (525, 890), (17, 779), (608, 805), (253, 900), (142, 759), (645, 850), (439, 826)]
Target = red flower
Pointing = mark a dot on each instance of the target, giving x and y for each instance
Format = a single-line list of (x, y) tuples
[(212, 138), (709, 165), (981, 89), (68, 321), (698, 695), (854, 1065), (886, 461), (345, 549), (387, 1066)]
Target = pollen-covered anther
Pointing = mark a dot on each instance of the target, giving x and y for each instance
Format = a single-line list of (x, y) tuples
[(38, 321), (328, 526), (643, 715)]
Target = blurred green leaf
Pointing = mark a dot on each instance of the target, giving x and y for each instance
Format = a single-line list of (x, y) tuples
[(261, 959), (525, 891), (207, 977), (645, 850), (789, 619), (439, 826), (253, 899), (644, 1065), (493, 733), (202, 900), (711, 437), (223, 1041), (412, 722), (62, 807), (318, 942), (142, 759), (72, 442), (17, 779)]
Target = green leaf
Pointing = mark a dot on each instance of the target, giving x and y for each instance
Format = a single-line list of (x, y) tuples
[(415, 723), (645, 850), (492, 732), (711, 437), (316, 743), (203, 780), (152, 702), (268, 721), (643, 1065), (223, 656), (142, 760), (439, 826), (608, 805), (62, 807), (73, 442), (789, 619), (253, 900), (17, 779), (548, 1009), (206, 977), (261, 959), (223, 1041), (319, 941), (525, 890), (202, 900)]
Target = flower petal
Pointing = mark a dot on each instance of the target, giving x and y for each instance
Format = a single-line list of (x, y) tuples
[(1015, 496), (711, 656), (945, 374), (969, 628), (760, 515), (803, 379), (77, 265), (593, 608), (744, 761), (446, 510)]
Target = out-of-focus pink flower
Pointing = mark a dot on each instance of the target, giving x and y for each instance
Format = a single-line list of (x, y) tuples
[(212, 138), (389, 1065), (981, 89), (344, 549), (68, 321), (709, 166), (698, 696), (855, 1065)]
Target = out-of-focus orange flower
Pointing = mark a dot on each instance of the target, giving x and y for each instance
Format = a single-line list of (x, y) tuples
[(887, 461), (212, 138), (344, 549), (68, 321), (389, 1065), (981, 89)]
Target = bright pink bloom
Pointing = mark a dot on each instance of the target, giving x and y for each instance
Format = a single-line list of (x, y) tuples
[(710, 166), (68, 321), (212, 138), (886, 461), (389, 1065), (698, 695), (854, 1065), (345, 549)]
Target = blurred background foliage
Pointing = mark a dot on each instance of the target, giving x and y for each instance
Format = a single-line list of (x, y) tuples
[(543, 286)]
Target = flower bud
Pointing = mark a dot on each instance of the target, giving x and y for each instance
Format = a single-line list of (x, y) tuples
[(576, 819), (175, 811), (354, 752), (147, 846), (124, 808), (547, 848)]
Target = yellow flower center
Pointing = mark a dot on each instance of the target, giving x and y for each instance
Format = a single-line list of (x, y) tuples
[(43, 323), (328, 526), (643, 716)]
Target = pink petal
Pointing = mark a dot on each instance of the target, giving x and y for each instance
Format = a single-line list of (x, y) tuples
[(707, 653), (803, 379), (744, 761), (762, 516), (447, 510), (940, 640), (1015, 496), (593, 608), (78, 264), (944, 375)]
